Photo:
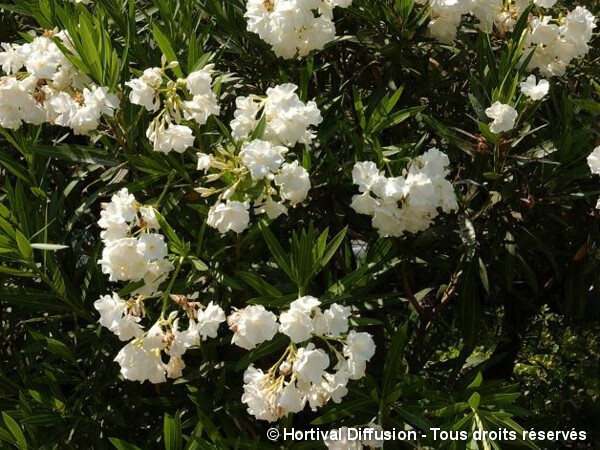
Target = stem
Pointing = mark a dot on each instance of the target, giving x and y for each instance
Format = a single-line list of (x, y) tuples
[(165, 296), (166, 188)]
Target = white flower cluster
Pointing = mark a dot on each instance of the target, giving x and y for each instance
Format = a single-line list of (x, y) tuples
[(129, 255), (302, 374), (49, 89), (260, 166), (593, 161), (556, 42), (293, 27), (166, 131), (141, 359), (406, 203), (446, 16), (288, 119)]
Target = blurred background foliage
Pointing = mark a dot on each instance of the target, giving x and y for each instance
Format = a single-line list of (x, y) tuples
[(488, 316)]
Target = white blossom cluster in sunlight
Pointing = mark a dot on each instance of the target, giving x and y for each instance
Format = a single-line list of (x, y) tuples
[(141, 359), (293, 28), (407, 203), (261, 179), (42, 86), (133, 249), (170, 130), (555, 40), (322, 357)]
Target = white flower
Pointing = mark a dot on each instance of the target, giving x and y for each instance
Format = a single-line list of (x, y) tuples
[(209, 320), (533, 90), (305, 304), (152, 246), (122, 260), (291, 400), (271, 208), (139, 364), (244, 117), (143, 94), (579, 25), (84, 120), (17, 105), (201, 107), (153, 77), (504, 117), (101, 100), (232, 215), (310, 364), (391, 188), (199, 82), (174, 137), (336, 319), (115, 317), (296, 324), (365, 174), (204, 161), (252, 326), (262, 158), (444, 27), (386, 219), (301, 319), (175, 367), (542, 31), (149, 216), (288, 119), (293, 182), (364, 203), (10, 59), (260, 405), (293, 28), (359, 346), (593, 161), (180, 341)]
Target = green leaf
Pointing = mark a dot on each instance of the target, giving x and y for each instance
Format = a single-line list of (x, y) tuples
[(15, 430), (474, 401), (266, 348), (394, 360), (172, 432), (198, 264), (175, 243), (476, 381), (344, 409), (24, 246), (281, 257), (165, 46), (329, 251), (259, 285), (259, 130), (120, 444), (412, 418)]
